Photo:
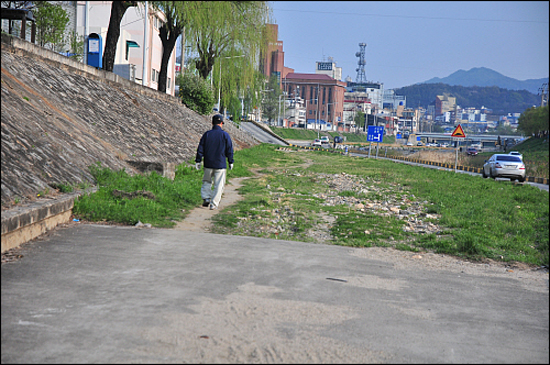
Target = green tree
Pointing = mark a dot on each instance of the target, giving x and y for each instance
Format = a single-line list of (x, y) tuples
[(51, 21), (360, 119), (228, 37), (118, 8), (271, 99), (534, 121), (76, 45), (195, 92)]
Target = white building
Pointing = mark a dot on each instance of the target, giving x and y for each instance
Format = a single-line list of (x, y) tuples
[(133, 47), (329, 68)]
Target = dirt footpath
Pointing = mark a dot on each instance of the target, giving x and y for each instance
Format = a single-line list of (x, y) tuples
[(199, 219)]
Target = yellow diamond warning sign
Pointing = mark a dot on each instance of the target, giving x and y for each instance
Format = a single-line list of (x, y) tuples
[(458, 132)]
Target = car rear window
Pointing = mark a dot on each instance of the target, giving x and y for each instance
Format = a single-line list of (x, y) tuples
[(508, 158)]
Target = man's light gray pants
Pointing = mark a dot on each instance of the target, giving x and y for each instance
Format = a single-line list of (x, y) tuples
[(216, 177)]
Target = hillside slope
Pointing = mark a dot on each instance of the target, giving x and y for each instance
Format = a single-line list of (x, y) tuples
[(500, 101), (58, 119)]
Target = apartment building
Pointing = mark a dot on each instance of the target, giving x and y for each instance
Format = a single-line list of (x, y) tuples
[(444, 103), (139, 48)]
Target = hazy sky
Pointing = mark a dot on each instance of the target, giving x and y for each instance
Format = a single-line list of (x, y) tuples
[(410, 42)]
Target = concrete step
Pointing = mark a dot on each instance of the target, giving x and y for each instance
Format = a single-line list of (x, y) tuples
[(24, 223)]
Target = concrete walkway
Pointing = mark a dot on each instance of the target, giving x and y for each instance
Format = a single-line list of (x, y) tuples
[(90, 293)]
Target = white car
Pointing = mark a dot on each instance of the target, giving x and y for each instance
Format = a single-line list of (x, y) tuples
[(516, 153), (317, 142), (410, 144), (324, 139), (508, 166)]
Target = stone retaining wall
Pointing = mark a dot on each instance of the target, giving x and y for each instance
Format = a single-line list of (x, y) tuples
[(60, 116)]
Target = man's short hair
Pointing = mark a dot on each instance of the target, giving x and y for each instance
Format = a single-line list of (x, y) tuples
[(217, 119)]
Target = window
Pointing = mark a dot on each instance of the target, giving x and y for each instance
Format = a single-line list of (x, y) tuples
[(155, 76), (130, 44), (168, 84), (157, 22)]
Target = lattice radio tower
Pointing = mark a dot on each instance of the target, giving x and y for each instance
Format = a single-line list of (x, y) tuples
[(361, 78)]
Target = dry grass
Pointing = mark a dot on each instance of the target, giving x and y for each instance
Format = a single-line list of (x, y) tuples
[(441, 156)]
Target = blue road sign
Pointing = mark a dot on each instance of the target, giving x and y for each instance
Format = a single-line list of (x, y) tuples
[(398, 136), (375, 133)]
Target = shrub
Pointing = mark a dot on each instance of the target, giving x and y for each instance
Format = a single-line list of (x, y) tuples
[(196, 93)]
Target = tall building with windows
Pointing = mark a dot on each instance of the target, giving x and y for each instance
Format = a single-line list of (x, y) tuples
[(272, 62)]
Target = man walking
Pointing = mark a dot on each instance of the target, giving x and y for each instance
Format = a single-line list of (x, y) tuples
[(215, 146)]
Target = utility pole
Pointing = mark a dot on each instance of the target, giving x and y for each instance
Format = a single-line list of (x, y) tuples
[(317, 119), (86, 30), (144, 62), (543, 94)]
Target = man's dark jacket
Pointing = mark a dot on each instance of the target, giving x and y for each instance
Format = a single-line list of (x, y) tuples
[(216, 146)]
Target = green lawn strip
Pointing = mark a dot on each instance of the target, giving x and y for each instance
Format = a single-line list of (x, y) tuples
[(478, 217)]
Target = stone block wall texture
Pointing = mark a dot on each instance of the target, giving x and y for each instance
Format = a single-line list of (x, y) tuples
[(60, 116)]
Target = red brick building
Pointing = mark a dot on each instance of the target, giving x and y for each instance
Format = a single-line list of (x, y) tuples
[(322, 93), (273, 61)]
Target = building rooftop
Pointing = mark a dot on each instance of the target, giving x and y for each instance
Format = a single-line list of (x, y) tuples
[(319, 77)]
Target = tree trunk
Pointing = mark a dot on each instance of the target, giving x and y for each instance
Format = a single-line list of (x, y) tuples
[(118, 8), (205, 62), (168, 38)]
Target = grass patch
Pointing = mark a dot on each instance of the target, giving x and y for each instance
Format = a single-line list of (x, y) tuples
[(477, 217)]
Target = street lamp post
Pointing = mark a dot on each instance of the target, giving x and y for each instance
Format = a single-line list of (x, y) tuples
[(220, 83), (279, 105), (318, 122)]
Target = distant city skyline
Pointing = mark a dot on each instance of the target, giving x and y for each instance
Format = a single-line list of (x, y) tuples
[(412, 42)]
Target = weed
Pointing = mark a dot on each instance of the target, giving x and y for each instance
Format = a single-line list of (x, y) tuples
[(63, 188)]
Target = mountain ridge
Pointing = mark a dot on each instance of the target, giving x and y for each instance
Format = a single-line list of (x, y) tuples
[(483, 77)]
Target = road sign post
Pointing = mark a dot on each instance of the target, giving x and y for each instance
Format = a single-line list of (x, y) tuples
[(375, 134), (458, 133)]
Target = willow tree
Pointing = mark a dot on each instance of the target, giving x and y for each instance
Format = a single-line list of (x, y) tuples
[(178, 15), (227, 37)]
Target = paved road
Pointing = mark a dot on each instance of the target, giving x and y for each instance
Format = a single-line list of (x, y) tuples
[(109, 294), (261, 134)]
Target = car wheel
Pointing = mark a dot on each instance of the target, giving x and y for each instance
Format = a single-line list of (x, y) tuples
[(491, 175), (512, 179), (484, 174), (521, 179)]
